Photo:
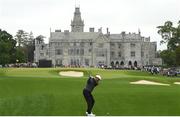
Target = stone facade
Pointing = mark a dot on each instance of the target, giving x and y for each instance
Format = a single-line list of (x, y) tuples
[(79, 48)]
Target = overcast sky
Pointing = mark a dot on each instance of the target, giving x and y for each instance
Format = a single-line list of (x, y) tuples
[(39, 16)]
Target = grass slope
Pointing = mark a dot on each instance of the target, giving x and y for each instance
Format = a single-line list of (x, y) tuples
[(44, 92)]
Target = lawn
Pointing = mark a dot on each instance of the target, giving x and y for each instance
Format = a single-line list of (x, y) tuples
[(38, 91)]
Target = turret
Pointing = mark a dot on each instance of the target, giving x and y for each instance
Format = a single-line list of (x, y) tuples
[(77, 25)]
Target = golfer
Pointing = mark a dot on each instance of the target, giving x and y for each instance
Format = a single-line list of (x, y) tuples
[(91, 83)]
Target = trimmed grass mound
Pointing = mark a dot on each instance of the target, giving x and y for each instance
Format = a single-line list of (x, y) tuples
[(41, 92)]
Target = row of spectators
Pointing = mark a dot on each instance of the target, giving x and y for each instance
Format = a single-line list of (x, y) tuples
[(163, 71), (17, 65)]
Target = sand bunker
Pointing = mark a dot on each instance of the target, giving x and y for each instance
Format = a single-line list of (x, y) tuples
[(178, 83), (145, 82), (71, 73)]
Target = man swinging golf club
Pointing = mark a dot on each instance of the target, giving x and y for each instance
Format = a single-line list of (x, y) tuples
[(91, 83)]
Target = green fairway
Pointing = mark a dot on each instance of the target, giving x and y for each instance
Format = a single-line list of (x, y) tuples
[(38, 91)]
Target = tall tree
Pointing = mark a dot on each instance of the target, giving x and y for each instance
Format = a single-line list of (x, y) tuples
[(26, 43), (40, 38), (21, 38), (170, 34), (30, 47), (169, 58), (178, 55), (30, 38), (7, 48), (20, 55)]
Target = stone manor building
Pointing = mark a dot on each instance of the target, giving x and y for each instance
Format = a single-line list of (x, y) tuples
[(79, 48)]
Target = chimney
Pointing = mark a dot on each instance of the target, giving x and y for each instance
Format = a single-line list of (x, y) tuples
[(100, 30), (91, 29), (59, 30), (66, 32), (123, 32), (107, 30), (108, 33), (139, 31)]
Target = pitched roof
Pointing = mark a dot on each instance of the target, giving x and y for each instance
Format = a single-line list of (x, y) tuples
[(73, 35)]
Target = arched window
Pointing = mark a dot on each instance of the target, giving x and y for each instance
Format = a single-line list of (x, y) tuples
[(112, 64), (122, 63), (130, 63), (117, 64), (135, 63)]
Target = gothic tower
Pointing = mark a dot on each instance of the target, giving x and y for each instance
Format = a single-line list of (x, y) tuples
[(77, 25)]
